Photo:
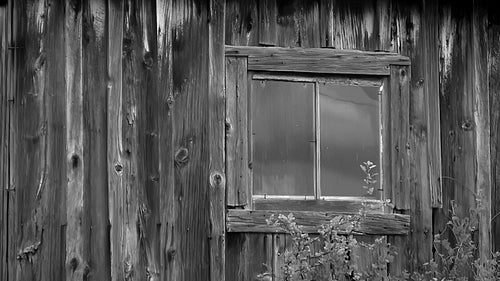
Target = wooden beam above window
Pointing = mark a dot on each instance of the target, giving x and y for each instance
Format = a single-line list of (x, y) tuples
[(318, 60)]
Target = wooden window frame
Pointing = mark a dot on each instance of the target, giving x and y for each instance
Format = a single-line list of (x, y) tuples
[(247, 213)]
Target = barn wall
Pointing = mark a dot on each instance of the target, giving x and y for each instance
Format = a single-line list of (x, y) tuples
[(105, 140), (452, 47), (111, 129)]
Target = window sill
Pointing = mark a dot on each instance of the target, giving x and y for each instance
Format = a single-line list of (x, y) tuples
[(371, 224)]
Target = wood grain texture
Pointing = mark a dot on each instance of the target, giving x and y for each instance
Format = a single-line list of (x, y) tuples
[(494, 90), (23, 182), (77, 262), (430, 78), (139, 91), (331, 205), (237, 151), (317, 60), (168, 207), (52, 182), (482, 126), (298, 24), (267, 22), (115, 159), (94, 37), (38, 162), (14, 67), (361, 25), (242, 22), (372, 224), (242, 246), (458, 128), (409, 41), (355, 55), (216, 120), (190, 115), (4, 140), (399, 137)]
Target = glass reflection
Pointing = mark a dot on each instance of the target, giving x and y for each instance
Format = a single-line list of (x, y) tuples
[(283, 132), (349, 135)]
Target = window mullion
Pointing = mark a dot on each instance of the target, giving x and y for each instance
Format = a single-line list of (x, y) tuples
[(317, 167)]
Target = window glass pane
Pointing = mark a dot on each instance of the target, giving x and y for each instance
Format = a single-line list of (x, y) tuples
[(349, 121), (283, 137)]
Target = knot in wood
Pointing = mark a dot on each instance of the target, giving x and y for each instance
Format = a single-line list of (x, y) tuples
[(217, 179), (73, 263), (148, 60), (420, 82), (170, 254), (75, 160), (181, 157), (118, 167), (467, 125)]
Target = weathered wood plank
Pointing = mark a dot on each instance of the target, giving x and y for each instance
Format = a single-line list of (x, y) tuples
[(237, 151), (361, 25), (22, 185), (267, 22), (141, 168), (338, 80), (386, 148), (298, 24), (326, 18), (408, 41), (317, 65), (365, 257), (242, 22), (401, 259), (77, 221), (115, 159), (372, 224), (4, 141), (482, 126), (400, 122), (456, 76), (52, 182), (95, 139), (430, 78), (357, 56), (169, 242), (240, 247), (317, 60), (494, 90), (13, 61), (216, 120), (331, 205), (38, 166), (190, 61)]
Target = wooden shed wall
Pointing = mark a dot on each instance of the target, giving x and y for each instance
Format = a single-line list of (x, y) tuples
[(453, 105), (111, 127), (105, 139)]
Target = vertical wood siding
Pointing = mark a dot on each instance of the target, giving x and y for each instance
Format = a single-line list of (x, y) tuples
[(494, 90), (112, 130), (449, 106), (107, 140)]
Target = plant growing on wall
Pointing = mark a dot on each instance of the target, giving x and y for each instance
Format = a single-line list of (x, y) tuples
[(331, 255)]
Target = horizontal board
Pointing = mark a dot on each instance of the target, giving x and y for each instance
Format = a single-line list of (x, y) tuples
[(317, 60), (371, 224), (337, 80), (339, 205)]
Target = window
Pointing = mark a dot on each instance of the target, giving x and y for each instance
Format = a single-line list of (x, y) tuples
[(299, 124), (309, 138)]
